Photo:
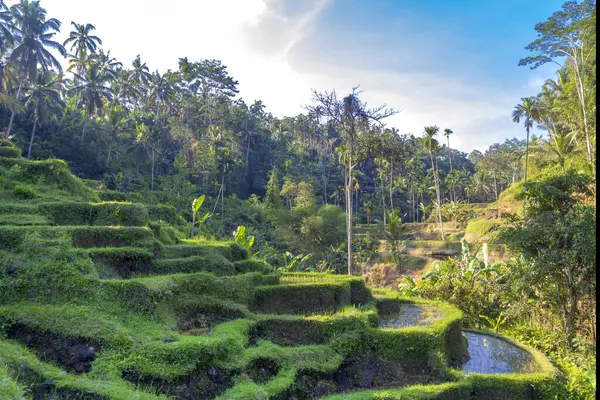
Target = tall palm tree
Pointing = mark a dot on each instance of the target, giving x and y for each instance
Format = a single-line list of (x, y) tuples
[(447, 133), (529, 112), (431, 145), (81, 40), (42, 96), (125, 88), (91, 89), (79, 62), (108, 65), (116, 122), (141, 73), (33, 34), (161, 91), (6, 18), (561, 145)]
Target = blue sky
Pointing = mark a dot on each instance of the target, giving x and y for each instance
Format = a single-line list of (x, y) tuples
[(451, 63)]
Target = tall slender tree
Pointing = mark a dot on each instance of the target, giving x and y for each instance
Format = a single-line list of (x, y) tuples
[(431, 145), (447, 133), (81, 40), (351, 116), (43, 96), (33, 33), (529, 112), (92, 89)]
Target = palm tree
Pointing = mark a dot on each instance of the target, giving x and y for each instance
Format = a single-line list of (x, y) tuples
[(116, 122), (562, 145), (43, 96), (447, 133), (141, 73), (33, 33), (91, 90), (529, 112), (124, 88), (431, 145), (161, 91), (81, 40), (79, 62), (108, 65), (6, 36)]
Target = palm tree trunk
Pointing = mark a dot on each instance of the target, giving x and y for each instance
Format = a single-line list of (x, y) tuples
[(392, 186), (495, 186), (525, 175), (449, 153), (222, 201), (85, 120), (152, 172), (437, 190), (32, 136), (349, 208), (110, 145), (12, 115)]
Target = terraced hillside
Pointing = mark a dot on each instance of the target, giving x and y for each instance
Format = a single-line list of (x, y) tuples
[(103, 299)]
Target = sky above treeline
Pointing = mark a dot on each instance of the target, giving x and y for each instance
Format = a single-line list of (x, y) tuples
[(451, 63)]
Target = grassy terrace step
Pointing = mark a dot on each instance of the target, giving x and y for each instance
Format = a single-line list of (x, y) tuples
[(82, 213), (190, 248), (47, 178), (47, 381), (82, 236), (309, 297), (23, 219)]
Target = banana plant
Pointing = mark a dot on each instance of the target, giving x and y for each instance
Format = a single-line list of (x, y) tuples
[(196, 204), (497, 323), (240, 237), (292, 262), (408, 287)]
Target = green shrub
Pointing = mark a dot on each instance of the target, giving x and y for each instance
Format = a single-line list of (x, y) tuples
[(9, 152), (113, 195), (252, 265), (217, 265), (103, 214), (126, 261), (24, 192), (166, 213), (302, 298), (123, 214)]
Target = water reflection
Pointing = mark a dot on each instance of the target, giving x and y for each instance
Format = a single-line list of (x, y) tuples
[(411, 315), (492, 355)]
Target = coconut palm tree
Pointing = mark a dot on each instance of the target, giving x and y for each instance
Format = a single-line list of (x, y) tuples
[(116, 122), (79, 62), (447, 133), (562, 145), (33, 34), (431, 145), (141, 73), (81, 40), (43, 96), (108, 65), (6, 36), (91, 89), (125, 88), (529, 112), (161, 91)]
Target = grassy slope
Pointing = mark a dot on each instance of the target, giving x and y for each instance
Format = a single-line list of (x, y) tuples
[(167, 315)]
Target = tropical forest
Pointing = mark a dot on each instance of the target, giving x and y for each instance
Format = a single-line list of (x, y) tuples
[(163, 238)]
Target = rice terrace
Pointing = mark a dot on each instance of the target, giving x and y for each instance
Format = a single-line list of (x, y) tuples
[(163, 237)]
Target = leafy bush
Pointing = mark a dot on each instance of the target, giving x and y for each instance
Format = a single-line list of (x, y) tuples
[(24, 192)]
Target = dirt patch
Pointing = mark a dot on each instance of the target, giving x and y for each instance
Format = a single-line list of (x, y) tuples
[(262, 370), (73, 354)]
